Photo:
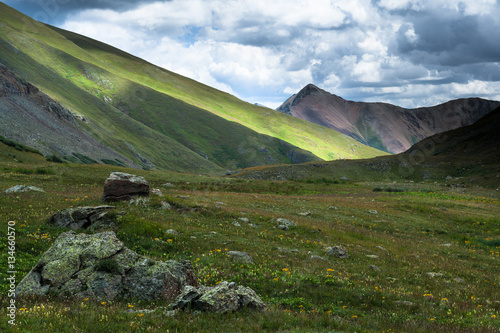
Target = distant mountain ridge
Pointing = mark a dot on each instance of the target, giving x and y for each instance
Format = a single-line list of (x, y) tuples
[(380, 125), (469, 155)]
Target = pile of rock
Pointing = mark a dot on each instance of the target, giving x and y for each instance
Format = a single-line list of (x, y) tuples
[(101, 266)]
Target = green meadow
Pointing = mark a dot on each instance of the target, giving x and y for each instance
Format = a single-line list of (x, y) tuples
[(424, 256)]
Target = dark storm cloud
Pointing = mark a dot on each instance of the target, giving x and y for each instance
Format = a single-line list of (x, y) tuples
[(451, 41), (56, 11)]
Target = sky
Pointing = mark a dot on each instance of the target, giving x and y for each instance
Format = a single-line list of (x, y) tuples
[(409, 53)]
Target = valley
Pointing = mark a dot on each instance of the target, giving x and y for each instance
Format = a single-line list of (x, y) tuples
[(423, 255)]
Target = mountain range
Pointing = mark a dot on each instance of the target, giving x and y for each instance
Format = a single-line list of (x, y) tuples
[(380, 125), (469, 154), (82, 100)]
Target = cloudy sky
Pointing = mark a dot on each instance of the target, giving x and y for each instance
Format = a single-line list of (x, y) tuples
[(406, 52)]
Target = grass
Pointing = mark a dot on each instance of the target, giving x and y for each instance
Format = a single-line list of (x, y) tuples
[(428, 228)]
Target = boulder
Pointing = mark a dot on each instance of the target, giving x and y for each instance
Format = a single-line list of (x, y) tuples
[(83, 217), (338, 251), (224, 297), (285, 224), (100, 266), (122, 186), (23, 188)]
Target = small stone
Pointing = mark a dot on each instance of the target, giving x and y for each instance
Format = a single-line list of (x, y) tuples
[(344, 178), (433, 274), (244, 219), (171, 232), (373, 211), (305, 213), (338, 251), (333, 207), (407, 303), (315, 257), (380, 247), (168, 185), (240, 256), (459, 280), (373, 256), (157, 191), (375, 268), (236, 224)]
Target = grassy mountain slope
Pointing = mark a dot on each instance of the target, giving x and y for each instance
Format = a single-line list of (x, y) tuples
[(136, 121), (114, 76), (323, 143)]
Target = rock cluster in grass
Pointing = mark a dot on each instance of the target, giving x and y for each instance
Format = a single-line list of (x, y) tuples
[(84, 217), (223, 298), (100, 266), (122, 186), (285, 224), (23, 188)]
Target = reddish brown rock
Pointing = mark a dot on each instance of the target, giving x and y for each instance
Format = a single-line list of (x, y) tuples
[(122, 186)]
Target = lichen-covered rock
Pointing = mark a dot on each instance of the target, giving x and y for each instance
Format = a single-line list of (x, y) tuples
[(83, 217), (338, 251), (224, 297), (122, 186), (285, 224), (101, 266), (23, 188)]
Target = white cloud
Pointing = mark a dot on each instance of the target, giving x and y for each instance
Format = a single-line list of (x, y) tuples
[(263, 51)]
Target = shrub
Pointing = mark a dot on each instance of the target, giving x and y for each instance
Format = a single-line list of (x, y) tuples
[(18, 146), (108, 266), (54, 159)]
